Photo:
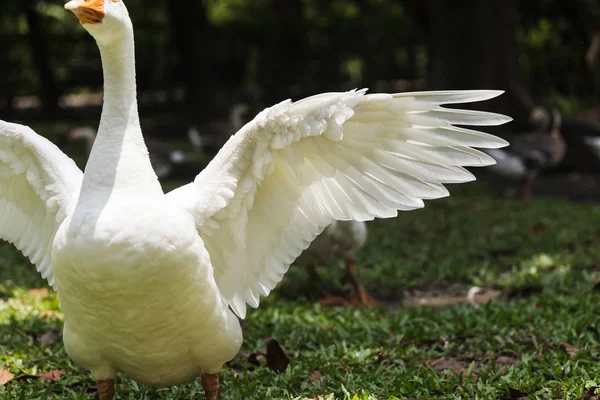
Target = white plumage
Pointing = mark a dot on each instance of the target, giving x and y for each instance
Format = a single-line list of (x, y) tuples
[(146, 280), (341, 240), (593, 142), (294, 169), (532, 152), (39, 185), (163, 160)]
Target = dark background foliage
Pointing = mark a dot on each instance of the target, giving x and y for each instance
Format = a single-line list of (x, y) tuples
[(203, 56)]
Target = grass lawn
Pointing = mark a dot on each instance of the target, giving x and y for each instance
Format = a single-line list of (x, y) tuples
[(537, 338)]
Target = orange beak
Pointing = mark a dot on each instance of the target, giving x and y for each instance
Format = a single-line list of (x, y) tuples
[(87, 11)]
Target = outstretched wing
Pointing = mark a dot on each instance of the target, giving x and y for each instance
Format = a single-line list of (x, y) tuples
[(287, 174), (38, 184)]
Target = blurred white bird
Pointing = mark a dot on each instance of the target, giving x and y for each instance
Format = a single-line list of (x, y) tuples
[(531, 153), (342, 240)]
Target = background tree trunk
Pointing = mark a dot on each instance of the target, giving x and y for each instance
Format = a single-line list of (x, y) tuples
[(39, 49), (193, 38), (472, 45), (283, 56)]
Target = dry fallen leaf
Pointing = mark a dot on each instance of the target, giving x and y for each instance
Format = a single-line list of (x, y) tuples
[(257, 358), (39, 291), (314, 376), (507, 360), (48, 314), (48, 338), (51, 375), (515, 394), (590, 394), (454, 364), (569, 348), (478, 295), (538, 228), (276, 358), (5, 376)]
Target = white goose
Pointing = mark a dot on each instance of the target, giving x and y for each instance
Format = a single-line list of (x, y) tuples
[(340, 239), (163, 159), (152, 285)]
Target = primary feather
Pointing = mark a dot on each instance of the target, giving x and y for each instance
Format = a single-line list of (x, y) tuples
[(39, 185), (298, 166)]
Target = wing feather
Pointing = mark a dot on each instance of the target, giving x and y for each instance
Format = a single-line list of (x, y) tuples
[(298, 166), (38, 185)]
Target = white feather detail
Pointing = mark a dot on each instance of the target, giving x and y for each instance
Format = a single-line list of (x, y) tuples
[(38, 186), (507, 165), (345, 156)]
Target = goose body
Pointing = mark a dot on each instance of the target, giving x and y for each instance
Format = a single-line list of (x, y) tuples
[(340, 239), (152, 310), (508, 165), (533, 152), (593, 143), (152, 284), (163, 160)]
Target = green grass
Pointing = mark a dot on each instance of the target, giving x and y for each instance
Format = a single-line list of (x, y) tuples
[(542, 256)]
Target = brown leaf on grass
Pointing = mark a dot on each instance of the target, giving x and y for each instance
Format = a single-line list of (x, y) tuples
[(47, 376), (314, 376), (39, 292), (477, 206), (276, 358), (5, 376), (48, 338), (51, 375), (454, 364), (257, 358), (590, 394), (569, 348), (48, 314), (507, 360), (515, 394), (538, 228), (478, 295)]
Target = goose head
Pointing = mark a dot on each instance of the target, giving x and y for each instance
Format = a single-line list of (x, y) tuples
[(545, 119), (106, 20), (541, 118)]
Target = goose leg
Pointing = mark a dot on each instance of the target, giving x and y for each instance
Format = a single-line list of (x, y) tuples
[(210, 383), (106, 389), (325, 298), (312, 274), (361, 296), (527, 187)]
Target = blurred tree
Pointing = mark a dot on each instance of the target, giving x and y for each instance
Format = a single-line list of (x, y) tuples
[(262, 51), (588, 12), (39, 49), (7, 85), (472, 45), (193, 38), (282, 46)]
